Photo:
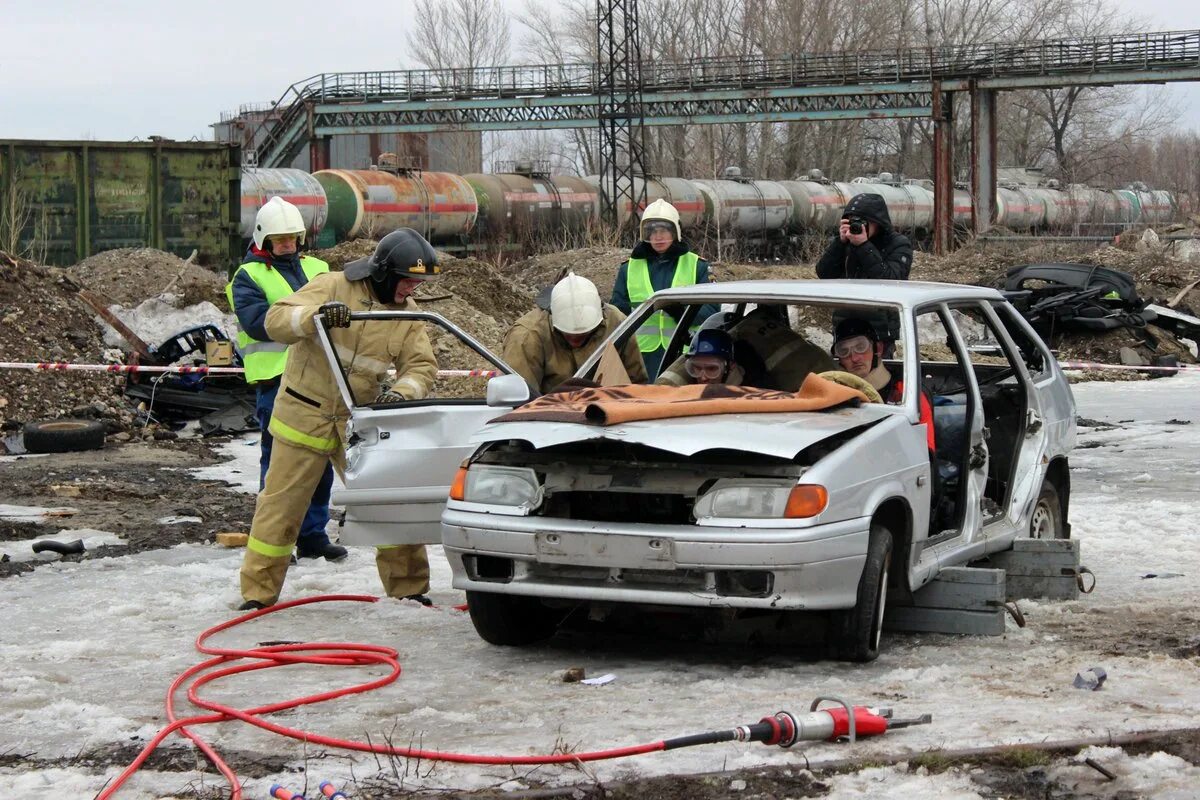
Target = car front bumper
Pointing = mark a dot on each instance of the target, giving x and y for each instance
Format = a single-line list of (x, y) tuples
[(809, 568)]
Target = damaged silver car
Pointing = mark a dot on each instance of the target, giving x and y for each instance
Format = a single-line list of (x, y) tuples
[(838, 512)]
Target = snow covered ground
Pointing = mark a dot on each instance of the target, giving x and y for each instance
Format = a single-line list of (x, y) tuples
[(88, 650)]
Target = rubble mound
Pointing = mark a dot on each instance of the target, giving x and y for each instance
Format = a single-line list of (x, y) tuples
[(597, 264), (480, 300), (343, 253), (42, 319), (130, 275)]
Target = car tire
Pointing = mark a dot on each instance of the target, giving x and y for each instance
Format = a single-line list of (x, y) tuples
[(857, 630), (510, 620), (1046, 521), (63, 436)]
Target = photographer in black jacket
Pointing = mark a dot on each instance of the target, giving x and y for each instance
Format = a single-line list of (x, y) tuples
[(866, 246)]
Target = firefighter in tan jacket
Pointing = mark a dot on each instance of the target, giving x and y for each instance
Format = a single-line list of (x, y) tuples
[(309, 420), (546, 348)]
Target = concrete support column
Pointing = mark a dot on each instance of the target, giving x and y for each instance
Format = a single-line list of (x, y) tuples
[(943, 170), (983, 159)]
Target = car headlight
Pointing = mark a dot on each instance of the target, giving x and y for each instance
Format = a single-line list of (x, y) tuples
[(497, 486), (748, 499)]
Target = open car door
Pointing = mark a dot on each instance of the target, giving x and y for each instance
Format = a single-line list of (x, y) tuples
[(402, 457)]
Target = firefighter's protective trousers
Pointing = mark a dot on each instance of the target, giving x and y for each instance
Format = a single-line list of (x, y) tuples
[(293, 475)]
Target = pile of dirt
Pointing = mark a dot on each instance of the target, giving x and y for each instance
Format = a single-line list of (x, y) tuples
[(483, 302), (341, 254), (1158, 274), (470, 293), (130, 275), (597, 264), (42, 319)]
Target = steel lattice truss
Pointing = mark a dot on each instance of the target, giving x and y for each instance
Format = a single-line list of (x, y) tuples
[(679, 109), (807, 86), (619, 111)]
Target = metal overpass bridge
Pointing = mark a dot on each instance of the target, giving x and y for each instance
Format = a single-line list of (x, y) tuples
[(879, 84)]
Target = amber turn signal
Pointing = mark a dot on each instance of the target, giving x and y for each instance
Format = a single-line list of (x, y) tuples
[(458, 489), (806, 500)]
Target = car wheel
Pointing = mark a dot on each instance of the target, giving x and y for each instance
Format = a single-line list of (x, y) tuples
[(506, 619), (1046, 521), (857, 630), (63, 436)]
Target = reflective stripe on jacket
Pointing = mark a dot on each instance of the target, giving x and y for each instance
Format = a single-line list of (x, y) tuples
[(309, 410), (656, 332), (265, 360)]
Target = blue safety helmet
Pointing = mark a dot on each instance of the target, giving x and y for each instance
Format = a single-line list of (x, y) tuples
[(712, 342)]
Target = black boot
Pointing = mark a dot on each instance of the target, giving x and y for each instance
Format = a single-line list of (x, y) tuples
[(326, 549), (420, 598), (251, 605)]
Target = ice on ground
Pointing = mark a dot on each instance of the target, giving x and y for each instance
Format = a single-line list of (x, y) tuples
[(21, 549), (111, 634), (33, 513)]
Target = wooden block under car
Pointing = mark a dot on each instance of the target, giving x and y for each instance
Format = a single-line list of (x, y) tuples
[(232, 539), (959, 600), (1043, 568)]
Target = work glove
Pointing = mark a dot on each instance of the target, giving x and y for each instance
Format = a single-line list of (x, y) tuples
[(337, 315), (388, 397)]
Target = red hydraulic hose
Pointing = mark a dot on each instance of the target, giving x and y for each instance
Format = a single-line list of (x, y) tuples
[(341, 654), (783, 728)]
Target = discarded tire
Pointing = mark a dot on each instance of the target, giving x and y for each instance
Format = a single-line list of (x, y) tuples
[(63, 436)]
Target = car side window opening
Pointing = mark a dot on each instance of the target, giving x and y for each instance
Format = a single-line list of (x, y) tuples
[(454, 384), (1032, 351), (1003, 395), (943, 376)]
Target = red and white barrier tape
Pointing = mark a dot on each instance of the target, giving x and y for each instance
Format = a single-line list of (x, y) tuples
[(62, 366)]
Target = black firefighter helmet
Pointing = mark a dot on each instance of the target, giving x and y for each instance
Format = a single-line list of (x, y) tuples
[(401, 254)]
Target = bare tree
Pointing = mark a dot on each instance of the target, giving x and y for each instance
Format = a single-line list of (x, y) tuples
[(455, 38), (458, 34)]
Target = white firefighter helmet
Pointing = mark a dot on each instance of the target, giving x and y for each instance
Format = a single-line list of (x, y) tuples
[(277, 217), (661, 211), (575, 306)]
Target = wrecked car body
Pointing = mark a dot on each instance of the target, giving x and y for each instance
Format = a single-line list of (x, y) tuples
[(839, 511)]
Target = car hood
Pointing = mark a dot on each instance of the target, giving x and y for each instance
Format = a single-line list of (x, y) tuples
[(780, 435)]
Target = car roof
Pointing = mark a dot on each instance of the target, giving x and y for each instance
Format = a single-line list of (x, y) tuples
[(902, 293)]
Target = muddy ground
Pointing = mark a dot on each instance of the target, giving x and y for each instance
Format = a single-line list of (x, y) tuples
[(125, 489), (129, 488)]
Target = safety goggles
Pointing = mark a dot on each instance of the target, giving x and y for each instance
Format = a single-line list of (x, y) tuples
[(659, 227), (855, 346), (704, 369)]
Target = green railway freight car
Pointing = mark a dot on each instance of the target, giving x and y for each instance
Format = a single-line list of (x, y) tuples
[(63, 201)]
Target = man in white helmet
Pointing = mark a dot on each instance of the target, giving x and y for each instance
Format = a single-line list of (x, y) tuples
[(273, 269), (549, 344), (662, 259)]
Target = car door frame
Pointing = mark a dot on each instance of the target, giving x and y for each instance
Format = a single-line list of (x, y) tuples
[(407, 512)]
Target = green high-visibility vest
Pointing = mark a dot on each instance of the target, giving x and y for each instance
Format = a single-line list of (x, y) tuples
[(656, 332), (266, 360)]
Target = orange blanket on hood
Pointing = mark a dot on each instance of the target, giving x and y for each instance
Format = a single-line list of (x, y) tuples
[(613, 405)]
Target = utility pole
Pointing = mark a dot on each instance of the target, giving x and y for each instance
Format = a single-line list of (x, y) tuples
[(622, 143)]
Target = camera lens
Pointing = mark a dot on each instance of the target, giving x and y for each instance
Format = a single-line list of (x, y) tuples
[(856, 227)]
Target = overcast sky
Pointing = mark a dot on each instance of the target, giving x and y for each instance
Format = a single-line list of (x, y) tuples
[(126, 69)]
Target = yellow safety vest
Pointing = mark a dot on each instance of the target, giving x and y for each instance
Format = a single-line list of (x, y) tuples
[(266, 360), (656, 332)]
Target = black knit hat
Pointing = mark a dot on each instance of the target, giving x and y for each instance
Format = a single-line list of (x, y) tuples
[(871, 207)]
